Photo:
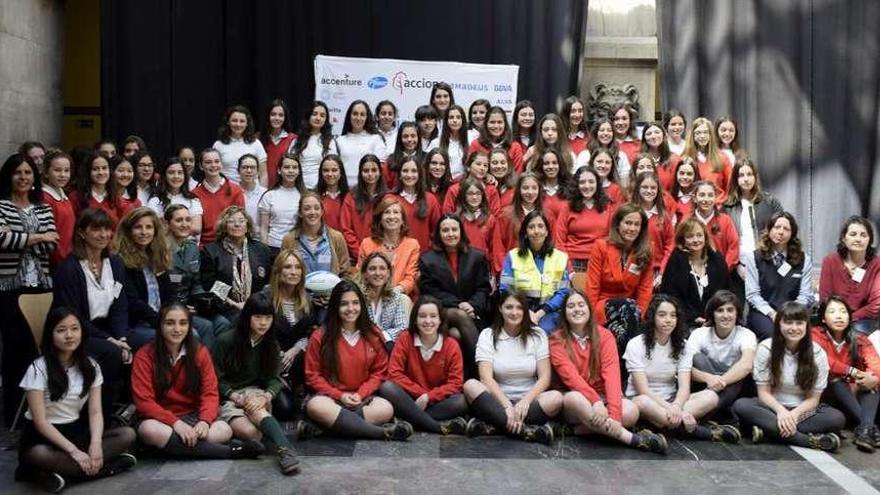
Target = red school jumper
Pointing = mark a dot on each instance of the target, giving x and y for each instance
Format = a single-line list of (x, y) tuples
[(662, 234), (213, 204), (333, 210), (486, 238), (576, 233), (65, 221), (421, 229), (450, 201), (274, 152), (106, 205), (355, 226), (361, 367), (440, 377), (572, 365), (839, 360)]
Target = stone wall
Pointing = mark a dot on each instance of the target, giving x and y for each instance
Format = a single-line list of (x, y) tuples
[(31, 59)]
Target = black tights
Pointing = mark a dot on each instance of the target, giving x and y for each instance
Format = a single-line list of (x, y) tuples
[(48, 458), (826, 419), (467, 328), (428, 419), (859, 407), (730, 393), (487, 408)]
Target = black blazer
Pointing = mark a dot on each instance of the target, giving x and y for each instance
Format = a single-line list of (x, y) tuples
[(286, 334), (139, 310), (70, 291), (678, 282), (435, 279), (217, 265)]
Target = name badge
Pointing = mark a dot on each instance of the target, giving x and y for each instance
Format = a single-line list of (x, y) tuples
[(634, 269), (175, 278), (117, 289), (783, 269), (858, 274)]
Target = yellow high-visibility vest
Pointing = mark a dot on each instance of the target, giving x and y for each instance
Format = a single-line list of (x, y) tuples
[(533, 283)]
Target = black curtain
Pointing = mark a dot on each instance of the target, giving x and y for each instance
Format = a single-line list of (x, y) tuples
[(171, 67), (803, 82)]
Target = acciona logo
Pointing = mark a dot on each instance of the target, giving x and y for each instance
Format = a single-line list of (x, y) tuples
[(345, 80)]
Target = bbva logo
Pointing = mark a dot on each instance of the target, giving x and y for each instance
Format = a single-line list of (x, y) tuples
[(377, 82)]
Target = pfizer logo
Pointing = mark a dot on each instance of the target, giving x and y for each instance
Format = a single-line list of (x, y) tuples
[(377, 82)]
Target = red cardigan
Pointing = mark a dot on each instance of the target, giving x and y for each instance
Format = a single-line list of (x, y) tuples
[(450, 201), (65, 221), (361, 368), (213, 205), (354, 226), (840, 362), (662, 234), (863, 297), (576, 233), (274, 152), (606, 279), (333, 210), (421, 229), (572, 365), (721, 178), (439, 377), (177, 401), (486, 238)]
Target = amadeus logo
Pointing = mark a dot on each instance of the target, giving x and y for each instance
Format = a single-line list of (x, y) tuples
[(377, 82)]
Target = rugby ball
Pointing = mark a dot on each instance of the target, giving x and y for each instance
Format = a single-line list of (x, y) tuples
[(321, 283)]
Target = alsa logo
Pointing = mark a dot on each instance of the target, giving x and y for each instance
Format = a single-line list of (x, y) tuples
[(377, 82)]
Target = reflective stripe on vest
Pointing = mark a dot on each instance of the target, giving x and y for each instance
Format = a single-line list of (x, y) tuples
[(532, 283)]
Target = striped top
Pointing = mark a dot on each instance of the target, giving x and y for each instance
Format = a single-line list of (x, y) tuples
[(14, 232)]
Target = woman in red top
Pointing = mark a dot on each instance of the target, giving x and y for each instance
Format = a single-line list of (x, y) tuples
[(623, 117), (549, 137), (476, 167), (523, 124), (174, 387), (683, 190), (583, 220), (675, 125), (93, 189), (279, 138), (661, 231), (55, 180), (574, 123), (357, 207), (333, 188), (527, 197), (854, 371), (420, 207), (620, 278), (853, 273), (425, 373), (584, 356), (602, 162), (438, 179), (406, 147), (714, 166), (505, 176), (552, 171), (718, 224), (655, 145), (124, 188), (345, 365), (216, 193), (479, 224), (496, 134)]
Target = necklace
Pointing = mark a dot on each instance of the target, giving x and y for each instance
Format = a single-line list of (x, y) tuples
[(95, 268)]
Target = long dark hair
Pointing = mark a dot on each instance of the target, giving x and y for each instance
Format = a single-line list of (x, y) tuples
[(342, 187), (35, 195), (362, 197), (641, 246), (577, 202), (446, 133), (333, 327), (369, 124), (420, 187), (849, 335), (162, 379), (396, 160), (269, 352), (414, 314), (679, 334), (566, 334), (224, 134), (526, 329), (524, 245), (84, 178), (807, 371), (437, 239), (856, 220), (55, 373), (305, 130), (794, 253)]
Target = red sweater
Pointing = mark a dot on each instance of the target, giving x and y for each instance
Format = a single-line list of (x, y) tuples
[(721, 178), (421, 229), (506, 197), (450, 201), (354, 226), (213, 205), (840, 362), (333, 210), (106, 205), (724, 237), (439, 377), (863, 297), (615, 194), (274, 152), (666, 172), (361, 367), (572, 365), (65, 221), (515, 152), (576, 233), (124, 205), (486, 238), (607, 279), (631, 148), (509, 224), (554, 204), (177, 401), (662, 234), (579, 142)]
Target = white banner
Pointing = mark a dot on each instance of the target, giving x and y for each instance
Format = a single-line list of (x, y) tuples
[(407, 83)]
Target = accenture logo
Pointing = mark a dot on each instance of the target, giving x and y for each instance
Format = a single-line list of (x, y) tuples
[(377, 82), (346, 80)]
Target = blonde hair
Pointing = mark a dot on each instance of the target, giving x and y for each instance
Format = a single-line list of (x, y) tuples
[(300, 298), (712, 154), (224, 219), (155, 256)]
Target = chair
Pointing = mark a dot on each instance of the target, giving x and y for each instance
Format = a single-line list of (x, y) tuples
[(34, 307)]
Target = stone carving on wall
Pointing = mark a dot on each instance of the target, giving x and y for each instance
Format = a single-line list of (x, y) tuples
[(603, 96)]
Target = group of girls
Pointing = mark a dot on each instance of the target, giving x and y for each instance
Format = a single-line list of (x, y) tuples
[(451, 223)]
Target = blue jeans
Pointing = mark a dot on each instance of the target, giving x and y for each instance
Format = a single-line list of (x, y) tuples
[(208, 330)]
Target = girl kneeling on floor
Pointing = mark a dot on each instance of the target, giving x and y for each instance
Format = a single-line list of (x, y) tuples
[(248, 365), (174, 387), (345, 365), (791, 371), (513, 359), (60, 442), (425, 373), (584, 356)]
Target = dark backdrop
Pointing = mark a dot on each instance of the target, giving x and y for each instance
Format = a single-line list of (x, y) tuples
[(171, 67), (803, 80)]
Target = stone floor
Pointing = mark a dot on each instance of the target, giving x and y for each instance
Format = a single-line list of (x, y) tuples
[(456, 465)]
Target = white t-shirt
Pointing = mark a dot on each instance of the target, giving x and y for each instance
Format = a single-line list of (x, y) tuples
[(515, 368), (660, 369), (352, 147), (192, 204), (456, 156), (282, 205), (725, 351), (252, 202), (230, 153), (788, 393), (747, 232), (310, 159), (66, 409)]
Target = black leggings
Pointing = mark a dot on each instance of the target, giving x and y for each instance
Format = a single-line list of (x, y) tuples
[(860, 407), (730, 393), (428, 420), (825, 419), (48, 458), (487, 408)]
